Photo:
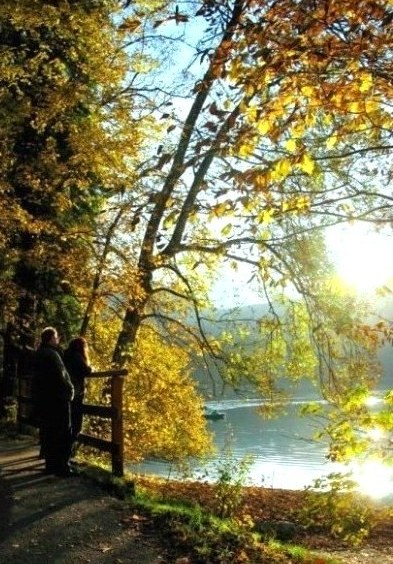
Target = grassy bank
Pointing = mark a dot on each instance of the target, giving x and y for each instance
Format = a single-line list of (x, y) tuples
[(219, 523)]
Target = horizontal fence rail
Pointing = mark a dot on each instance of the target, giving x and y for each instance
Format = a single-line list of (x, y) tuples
[(114, 413)]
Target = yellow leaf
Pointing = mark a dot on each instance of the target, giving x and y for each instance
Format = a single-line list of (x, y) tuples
[(266, 216), (354, 107), (247, 147), (307, 164), (220, 209), (303, 203), (281, 169), (311, 119), (249, 89), (264, 126), (226, 230), (170, 220), (331, 142), (366, 82), (371, 105), (298, 129), (337, 99), (307, 91), (291, 145), (251, 114)]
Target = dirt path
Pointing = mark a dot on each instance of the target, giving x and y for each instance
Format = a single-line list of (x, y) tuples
[(50, 520)]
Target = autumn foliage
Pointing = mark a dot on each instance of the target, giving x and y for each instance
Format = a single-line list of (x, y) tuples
[(128, 180)]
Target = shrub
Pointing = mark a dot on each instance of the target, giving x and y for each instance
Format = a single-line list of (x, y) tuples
[(333, 504)]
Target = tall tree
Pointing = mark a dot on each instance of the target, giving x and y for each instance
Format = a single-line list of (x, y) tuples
[(272, 133), (278, 127), (60, 159)]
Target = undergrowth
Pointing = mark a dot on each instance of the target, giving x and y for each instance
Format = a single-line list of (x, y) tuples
[(196, 534), (334, 505)]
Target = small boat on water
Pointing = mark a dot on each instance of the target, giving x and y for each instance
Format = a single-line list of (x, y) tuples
[(213, 414)]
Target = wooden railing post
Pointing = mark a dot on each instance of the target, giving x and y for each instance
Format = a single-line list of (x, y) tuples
[(117, 426)]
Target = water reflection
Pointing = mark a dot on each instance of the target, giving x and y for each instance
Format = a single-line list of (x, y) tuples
[(284, 454)]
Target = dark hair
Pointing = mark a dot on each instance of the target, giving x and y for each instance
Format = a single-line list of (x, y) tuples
[(79, 345), (47, 334)]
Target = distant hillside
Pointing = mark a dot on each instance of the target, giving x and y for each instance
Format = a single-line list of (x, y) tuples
[(226, 320)]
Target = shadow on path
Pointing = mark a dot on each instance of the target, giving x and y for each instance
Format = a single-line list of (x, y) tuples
[(45, 519)]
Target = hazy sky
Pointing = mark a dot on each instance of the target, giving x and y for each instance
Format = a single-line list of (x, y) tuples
[(363, 259)]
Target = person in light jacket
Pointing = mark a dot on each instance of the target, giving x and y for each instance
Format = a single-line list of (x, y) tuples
[(53, 395)]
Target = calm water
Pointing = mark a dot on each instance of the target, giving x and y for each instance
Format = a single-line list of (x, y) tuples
[(284, 455)]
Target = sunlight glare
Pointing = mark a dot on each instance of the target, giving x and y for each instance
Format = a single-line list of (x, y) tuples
[(375, 479), (376, 434), (361, 256), (372, 400)]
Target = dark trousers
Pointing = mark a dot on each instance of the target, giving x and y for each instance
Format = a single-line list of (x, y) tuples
[(55, 436)]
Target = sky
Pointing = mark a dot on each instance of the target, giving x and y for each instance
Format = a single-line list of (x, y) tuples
[(363, 260)]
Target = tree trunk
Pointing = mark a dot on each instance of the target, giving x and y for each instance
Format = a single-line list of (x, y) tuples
[(127, 336), (8, 382)]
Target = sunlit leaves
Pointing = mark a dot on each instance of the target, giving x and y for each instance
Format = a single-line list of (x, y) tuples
[(306, 164), (281, 169), (161, 401), (291, 145), (266, 216), (264, 127), (313, 70), (332, 141), (366, 81), (62, 141)]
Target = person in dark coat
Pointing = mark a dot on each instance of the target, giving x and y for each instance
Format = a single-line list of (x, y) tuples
[(76, 359), (53, 392)]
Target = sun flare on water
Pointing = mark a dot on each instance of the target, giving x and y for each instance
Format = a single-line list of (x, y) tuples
[(374, 479)]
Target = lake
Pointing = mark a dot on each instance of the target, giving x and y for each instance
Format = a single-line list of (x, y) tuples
[(284, 455)]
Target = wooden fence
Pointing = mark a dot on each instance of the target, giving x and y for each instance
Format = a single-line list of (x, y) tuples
[(114, 412)]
